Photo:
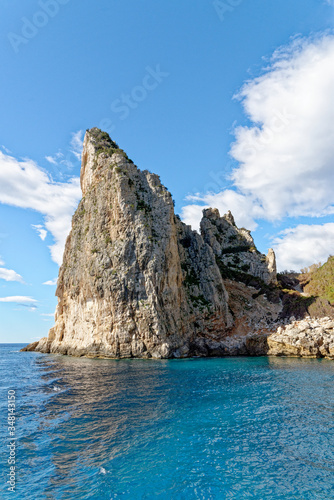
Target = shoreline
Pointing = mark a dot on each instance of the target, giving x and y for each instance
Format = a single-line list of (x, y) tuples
[(307, 338)]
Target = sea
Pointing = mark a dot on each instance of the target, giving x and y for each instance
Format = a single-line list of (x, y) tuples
[(231, 428)]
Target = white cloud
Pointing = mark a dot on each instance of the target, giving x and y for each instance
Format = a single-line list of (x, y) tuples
[(51, 159), (49, 315), (192, 214), (6, 150), (24, 184), (57, 158), (286, 158), (42, 233), (286, 155), (10, 275), (304, 245), (51, 282), (21, 300), (76, 143)]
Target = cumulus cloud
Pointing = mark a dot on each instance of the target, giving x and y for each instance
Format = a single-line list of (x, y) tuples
[(304, 245), (285, 156), (20, 300), (10, 275), (51, 282), (24, 184)]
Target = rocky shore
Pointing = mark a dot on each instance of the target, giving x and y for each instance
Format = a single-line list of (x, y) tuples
[(308, 338)]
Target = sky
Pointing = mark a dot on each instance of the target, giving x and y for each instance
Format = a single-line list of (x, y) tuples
[(229, 101)]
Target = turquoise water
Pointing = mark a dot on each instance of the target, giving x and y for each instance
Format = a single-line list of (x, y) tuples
[(240, 428)]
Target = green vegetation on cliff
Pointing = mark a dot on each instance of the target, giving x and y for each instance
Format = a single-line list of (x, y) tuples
[(320, 282)]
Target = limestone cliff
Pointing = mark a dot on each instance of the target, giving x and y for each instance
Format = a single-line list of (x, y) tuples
[(235, 248), (137, 282)]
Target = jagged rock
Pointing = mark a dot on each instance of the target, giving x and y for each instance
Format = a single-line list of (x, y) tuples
[(308, 338), (229, 217), (235, 249), (271, 266), (31, 347)]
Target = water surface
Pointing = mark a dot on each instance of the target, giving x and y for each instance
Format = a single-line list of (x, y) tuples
[(233, 428)]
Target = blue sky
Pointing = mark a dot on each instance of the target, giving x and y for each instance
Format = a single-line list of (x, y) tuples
[(162, 78)]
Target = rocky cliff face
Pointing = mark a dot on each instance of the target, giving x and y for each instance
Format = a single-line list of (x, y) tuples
[(138, 282), (234, 248)]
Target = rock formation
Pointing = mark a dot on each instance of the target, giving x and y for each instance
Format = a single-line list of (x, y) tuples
[(235, 248), (307, 338), (137, 282)]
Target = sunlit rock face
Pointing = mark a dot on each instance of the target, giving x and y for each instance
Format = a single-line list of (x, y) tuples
[(235, 248), (307, 338), (135, 280)]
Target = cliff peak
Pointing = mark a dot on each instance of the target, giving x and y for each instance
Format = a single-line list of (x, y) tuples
[(97, 147)]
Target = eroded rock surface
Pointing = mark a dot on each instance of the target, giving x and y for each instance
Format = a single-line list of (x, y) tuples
[(234, 248), (308, 338)]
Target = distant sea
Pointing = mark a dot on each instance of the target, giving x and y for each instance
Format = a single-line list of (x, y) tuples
[(233, 428)]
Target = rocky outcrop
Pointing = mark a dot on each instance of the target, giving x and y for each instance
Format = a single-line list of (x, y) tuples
[(235, 249), (308, 338), (137, 282)]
